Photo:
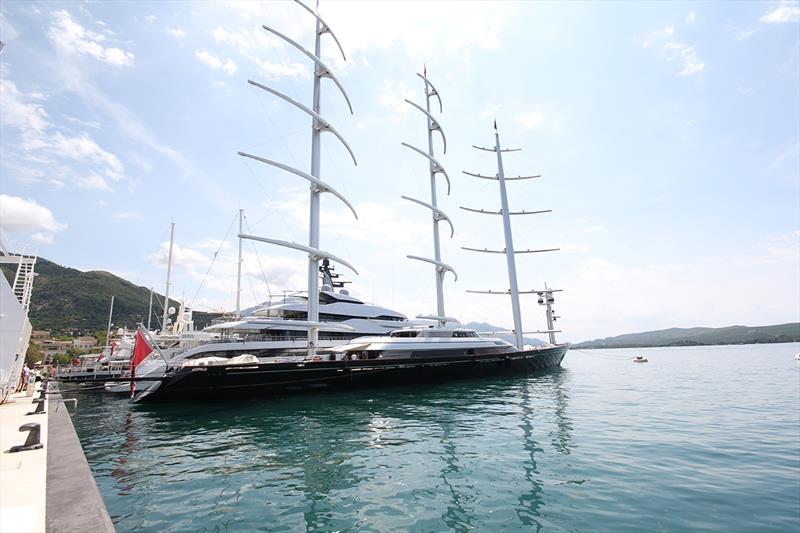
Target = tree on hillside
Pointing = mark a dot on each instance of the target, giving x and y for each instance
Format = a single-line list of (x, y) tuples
[(33, 355)]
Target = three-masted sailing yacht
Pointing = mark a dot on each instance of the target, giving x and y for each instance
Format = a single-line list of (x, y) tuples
[(409, 354)]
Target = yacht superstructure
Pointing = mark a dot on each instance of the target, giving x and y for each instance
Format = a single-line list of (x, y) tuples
[(15, 327)]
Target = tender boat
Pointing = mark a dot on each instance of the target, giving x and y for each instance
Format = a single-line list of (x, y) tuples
[(639, 359)]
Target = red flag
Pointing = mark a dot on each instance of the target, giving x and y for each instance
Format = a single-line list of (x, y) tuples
[(141, 349)]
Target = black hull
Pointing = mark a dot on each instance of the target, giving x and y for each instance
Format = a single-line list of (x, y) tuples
[(215, 382)]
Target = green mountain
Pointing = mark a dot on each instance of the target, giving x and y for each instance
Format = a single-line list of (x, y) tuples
[(700, 336), (70, 301)]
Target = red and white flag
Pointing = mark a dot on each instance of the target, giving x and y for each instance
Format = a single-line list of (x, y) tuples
[(141, 349)]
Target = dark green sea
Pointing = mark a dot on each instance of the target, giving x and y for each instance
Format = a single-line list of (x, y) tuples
[(698, 439)]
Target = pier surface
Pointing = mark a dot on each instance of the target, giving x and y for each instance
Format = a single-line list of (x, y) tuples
[(50, 489)]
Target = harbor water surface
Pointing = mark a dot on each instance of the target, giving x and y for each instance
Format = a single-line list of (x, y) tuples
[(698, 438)]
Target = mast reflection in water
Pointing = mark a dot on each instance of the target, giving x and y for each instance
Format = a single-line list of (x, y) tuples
[(407, 458)]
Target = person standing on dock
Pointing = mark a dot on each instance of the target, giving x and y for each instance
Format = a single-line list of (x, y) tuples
[(23, 379)]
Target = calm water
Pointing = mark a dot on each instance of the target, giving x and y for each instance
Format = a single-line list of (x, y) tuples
[(696, 439)]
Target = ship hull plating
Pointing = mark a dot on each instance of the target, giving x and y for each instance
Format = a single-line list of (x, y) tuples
[(265, 379)]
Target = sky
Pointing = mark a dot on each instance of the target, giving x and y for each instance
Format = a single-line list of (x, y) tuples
[(667, 136)]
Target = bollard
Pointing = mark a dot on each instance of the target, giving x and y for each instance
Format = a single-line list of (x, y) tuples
[(32, 442), (44, 389), (39, 408)]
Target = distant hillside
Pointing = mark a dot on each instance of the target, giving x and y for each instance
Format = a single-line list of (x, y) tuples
[(700, 337), (66, 299)]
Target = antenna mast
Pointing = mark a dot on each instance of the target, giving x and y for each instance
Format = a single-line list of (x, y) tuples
[(509, 250), (437, 214), (316, 185), (239, 269), (169, 273)]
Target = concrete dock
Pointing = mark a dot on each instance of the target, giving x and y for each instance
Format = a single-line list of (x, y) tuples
[(50, 489)]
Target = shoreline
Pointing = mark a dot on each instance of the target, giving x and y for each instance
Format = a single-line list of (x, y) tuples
[(687, 345)]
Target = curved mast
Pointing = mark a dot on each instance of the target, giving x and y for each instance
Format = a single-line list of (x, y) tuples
[(316, 185), (509, 250), (437, 215)]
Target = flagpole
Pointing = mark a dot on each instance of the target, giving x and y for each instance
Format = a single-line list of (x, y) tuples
[(152, 345), (133, 358), (155, 346)]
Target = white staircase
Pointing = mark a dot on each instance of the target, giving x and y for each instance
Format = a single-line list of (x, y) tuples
[(23, 280)]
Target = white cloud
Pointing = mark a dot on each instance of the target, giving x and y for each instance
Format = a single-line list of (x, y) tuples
[(245, 39), (39, 139), (685, 54), (75, 79), (102, 203), (228, 66), (469, 26), (8, 31), (744, 90), (690, 17), (94, 182), (150, 18), (657, 36), (251, 43), (18, 113), (43, 238), (392, 95), (670, 50), (713, 285), (744, 34), (283, 69), (379, 224), (84, 123), (786, 12), (490, 111), (529, 120), (176, 32), (83, 148), (126, 215), (66, 34), (586, 227), (18, 215), (181, 257)]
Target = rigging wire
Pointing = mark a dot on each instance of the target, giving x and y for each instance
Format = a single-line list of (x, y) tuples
[(213, 259), (258, 258), (280, 136)]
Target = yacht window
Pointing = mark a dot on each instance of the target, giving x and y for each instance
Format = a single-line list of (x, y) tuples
[(404, 333), (437, 333)]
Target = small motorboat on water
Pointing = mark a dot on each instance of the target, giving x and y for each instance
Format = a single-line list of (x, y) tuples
[(640, 359)]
